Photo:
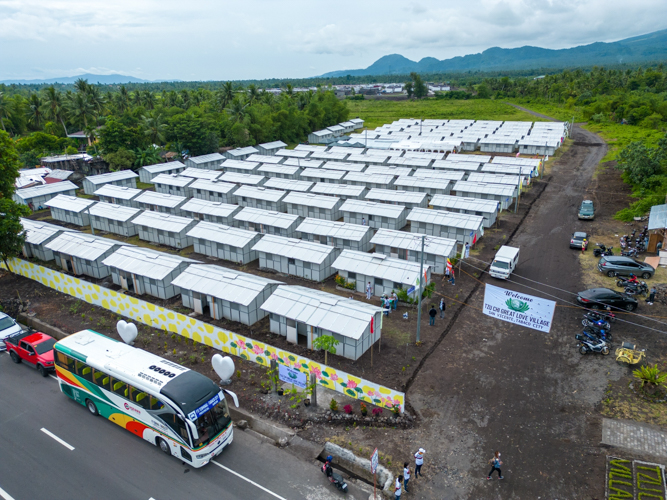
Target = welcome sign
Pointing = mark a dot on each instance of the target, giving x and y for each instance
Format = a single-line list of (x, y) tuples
[(518, 308)]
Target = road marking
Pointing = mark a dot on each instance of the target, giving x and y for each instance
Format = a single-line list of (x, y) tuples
[(248, 480), (53, 377), (51, 434), (5, 495)]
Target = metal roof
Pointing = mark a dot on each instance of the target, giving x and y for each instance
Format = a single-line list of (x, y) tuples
[(277, 168), (45, 189), (288, 184), (215, 208), (321, 173), (114, 212), (505, 160), (200, 173), (422, 182), (395, 196), (378, 266), (349, 318), (424, 155), (373, 208), (293, 153), (165, 222), (220, 233), (112, 177), (507, 169), (312, 200), (478, 187), (81, 245), (265, 159), (267, 217), (172, 180), (473, 158), (247, 166), (260, 193), (145, 262), (388, 170), (333, 189), (162, 167), (248, 150), (59, 174), (344, 230), (466, 166), (341, 165), (304, 163), (461, 203), (444, 218), (657, 219), (307, 251), (160, 199), (329, 156), (413, 241), (511, 180), (120, 192), (223, 283), (238, 178), (452, 175), (310, 147), (37, 232), (368, 178), (273, 145), (207, 158), (215, 186), (69, 203), (411, 162)]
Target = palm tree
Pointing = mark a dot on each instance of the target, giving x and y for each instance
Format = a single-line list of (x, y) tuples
[(6, 110), (81, 85), (53, 106), (268, 98), (154, 127), (95, 98), (148, 99), (122, 99), (80, 110), (227, 94), (237, 110), (253, 93), (34, 111), (148, 156)]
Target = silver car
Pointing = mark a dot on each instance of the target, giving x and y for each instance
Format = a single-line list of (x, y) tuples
[(616, 265), (7, 327)]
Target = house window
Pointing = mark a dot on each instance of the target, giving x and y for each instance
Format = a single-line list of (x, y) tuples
[(198, 191), (234, 306), (398, 286), (370, 217), (384, 219), (351, 276), (291, 261), (306, 265), (378, 281)]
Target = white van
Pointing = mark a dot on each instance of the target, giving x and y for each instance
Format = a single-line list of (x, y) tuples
[(505, 262), (7, 327)]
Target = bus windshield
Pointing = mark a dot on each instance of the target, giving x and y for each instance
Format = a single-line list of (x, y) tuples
[(211, 423)]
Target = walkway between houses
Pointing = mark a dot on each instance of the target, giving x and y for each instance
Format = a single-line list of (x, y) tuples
[(634, 436)]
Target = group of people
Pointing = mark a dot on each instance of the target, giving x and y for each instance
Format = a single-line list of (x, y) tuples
[(432, 312), (389, 302)]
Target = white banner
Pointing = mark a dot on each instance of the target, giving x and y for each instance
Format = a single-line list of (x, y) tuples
[(292, 376), (518, 308)]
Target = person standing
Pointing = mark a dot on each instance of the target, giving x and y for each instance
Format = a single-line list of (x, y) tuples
[(363, 221), (452, 280), (432, 313), (394, 299), (495, 466), (419, 461), (466, 253), (651, 296), (442, 308), (398, 488), (369, 291), (406, 476)]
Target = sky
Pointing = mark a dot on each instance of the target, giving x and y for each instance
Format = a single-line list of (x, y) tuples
[(257, 39)]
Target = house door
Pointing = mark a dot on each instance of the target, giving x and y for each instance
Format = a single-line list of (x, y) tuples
[(135, 285), (196, 300), (302, 331), (213, 313), (291, 331), (291, 267), (379, 288)]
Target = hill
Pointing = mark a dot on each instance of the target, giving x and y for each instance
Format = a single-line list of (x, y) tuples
[(103, 79)]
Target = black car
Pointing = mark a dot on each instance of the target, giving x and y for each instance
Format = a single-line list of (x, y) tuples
[(598, 298), (616, 265), (577, 239)]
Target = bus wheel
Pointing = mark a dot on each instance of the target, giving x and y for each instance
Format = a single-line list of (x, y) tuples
[(164, 446), (91, 407)]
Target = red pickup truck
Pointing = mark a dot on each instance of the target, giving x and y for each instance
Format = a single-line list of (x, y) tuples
[(34, 348)]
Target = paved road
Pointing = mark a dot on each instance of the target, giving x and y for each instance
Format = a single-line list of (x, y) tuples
[(108, 462)]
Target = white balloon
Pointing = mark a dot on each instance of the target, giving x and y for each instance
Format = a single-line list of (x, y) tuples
[(127, 331), (223, 366)]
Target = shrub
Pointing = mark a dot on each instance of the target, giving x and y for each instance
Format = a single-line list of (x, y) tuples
[(377, 412), (363, 409), (333, 405), (347, 409), (650, 375), (340, 281)]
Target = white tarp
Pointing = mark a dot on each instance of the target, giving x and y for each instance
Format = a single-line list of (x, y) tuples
[(518, 308)]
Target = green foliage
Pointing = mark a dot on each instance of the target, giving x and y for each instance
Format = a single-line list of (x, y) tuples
[(122, 159), (9, 165), (641, 163), (326, 342), (427, 292), (341, 281), (147, 156), (12, 237), (71, 150), (333, 405), (418, 87), (650, 375)]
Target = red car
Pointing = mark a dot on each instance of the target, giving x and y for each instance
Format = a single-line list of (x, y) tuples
[(34, 348)]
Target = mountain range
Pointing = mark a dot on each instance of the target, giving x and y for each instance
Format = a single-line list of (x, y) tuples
[(644, 48), (103, 79)]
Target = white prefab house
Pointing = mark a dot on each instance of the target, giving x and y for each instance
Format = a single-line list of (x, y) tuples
[(305, 259), (70, 209), (37, 235), (80, 253), (36, 197), (471, 158), (486, 178), (172, 184), (300, 313), (288, 184), (389, 170), (342, 191), (200, 173), (248, 179), (267, 222), (525, 171), (270, 148), (474, 206), (499, 192), (336, 234), (462, 166), (428, 185), (214, 190), (337, 130), (461, 227), (210, 211), (161, 202), (313, 205), (224, 293), (342, 165), (375, 215), (115, 219), (279, 171), (303, 163), (321, 137), (409, 199), (224, 242), (407, 246), (118, 195), (328, 156), (240, 166), (266, 160), (208, 162), (240, 153), (164, 229), (260, 197), (294, 153), (439, 174), (125, 178), (369, 159), (410, 162), (142, 271), (385, 274), (149, 171), (322, 175), (382, 181), (357, 122)]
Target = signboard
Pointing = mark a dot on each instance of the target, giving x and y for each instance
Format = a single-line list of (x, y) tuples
[(292, 376), (518, 308), (374, 461), (194, 415), (411, 290)]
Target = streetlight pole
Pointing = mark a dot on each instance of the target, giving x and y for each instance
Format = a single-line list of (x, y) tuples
[(421, 277)]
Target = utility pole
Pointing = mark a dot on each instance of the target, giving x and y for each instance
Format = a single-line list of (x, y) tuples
[(421, 278), (518, 193)]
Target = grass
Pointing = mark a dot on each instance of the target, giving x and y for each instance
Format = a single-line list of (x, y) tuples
[(145, 185), (618, 136)]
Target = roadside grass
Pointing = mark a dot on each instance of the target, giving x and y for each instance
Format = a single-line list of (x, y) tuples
[(557, 111), (618, 136), (145, 185), (626, 405)]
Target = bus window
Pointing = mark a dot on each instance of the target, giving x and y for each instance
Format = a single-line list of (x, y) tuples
[(141, 398), (85, 372), (106, 381), (156, 404), (119, 387), (98, 377), (177, 424), (64, 361)]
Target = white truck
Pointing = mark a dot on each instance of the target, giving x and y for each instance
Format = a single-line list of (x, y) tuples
[(505, 262)]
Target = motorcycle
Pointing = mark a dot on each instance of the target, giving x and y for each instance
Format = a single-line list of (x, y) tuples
[(600, 323), (334, 478), (602, 250), (608, 316), (637, 289), (587, 345), (630, 253), (623, 282), (595, 333)]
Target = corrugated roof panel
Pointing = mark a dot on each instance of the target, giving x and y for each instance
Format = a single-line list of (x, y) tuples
[(312, 200), (220, 233), (214, 186), (444, 218), (145, 262), (462, 203), (395, 196), (267, 217), (321, 173), (162, 167), (288, 184), (172, 180), (120, 192), (165, 222), (333, 189), (112, 176), (273, 145), (114, 212), (379, 266), (482, 188), (265, 159), (160, 199), (81, 245), (239, 178), (335, 229), (37, 232), (341, 165), (207, 158), (293, 248), (200, 173), (373, 208), (70, 203), (260, 193), (215, 208), (45, 189), (413, 241)]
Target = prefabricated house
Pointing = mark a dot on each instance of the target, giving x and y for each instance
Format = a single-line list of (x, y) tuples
[(267, 222), (224, 293), (164, 229), (508, 180), (60, 175), (260, 197), (342, 165), (539, 145), (240, 166), (248, 179), (321, 137), (336, 234), (382, 181), (375, 215), (141, 270), (116, 219), (240, 153), (70, 209), (161, 202), (439, 174), (270, 148), (313, 205), (173, 184), (288, 184), (368, 159), (461, 227), (200, 173), (385, 274), (266, 160), (305, 259), (407, 246), (322, 175), (474, 206), (36, 197), (294, 153), (149, 171), (207, 162), (499, 144), (125, 178), (342, 191), (389, 170), (499, 192), (214, 190), (525, 171), (224, 242), (80, 253), (328, 156), (461, 166), (303, 163), (279, 171), (302, 315), (357, 122), (337, 130), (118, 195), (210, 211), (409, 199), (428, 185), (310, 148), (37, 235)]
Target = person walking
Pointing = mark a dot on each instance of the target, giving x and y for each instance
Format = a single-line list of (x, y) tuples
[(432, 313), (651, 296), (369, 291), (495, 466), (452, 280), (419, 461), (398, 488), (442, 308)]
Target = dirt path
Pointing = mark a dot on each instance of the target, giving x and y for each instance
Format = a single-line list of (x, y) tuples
[(534, 113)]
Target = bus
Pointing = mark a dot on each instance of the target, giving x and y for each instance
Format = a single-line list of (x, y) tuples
[(179, 410)]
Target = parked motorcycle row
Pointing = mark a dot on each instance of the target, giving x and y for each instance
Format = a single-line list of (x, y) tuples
[(596, 335), (631, 245)]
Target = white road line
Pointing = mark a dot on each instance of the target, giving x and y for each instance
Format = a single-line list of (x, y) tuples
[(5, 495), (51, 434), (53, 377), (248, 480)]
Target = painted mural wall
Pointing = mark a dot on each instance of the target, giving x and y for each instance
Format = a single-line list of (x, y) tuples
[(224, 340)]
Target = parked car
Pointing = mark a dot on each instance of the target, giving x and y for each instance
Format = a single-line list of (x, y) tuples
[(616, 265), (597, 298), (35, 348), (577, 239), (587, 210), (7, 327)]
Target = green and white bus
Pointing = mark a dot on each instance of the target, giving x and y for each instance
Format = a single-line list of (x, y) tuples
[(181, 411)]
